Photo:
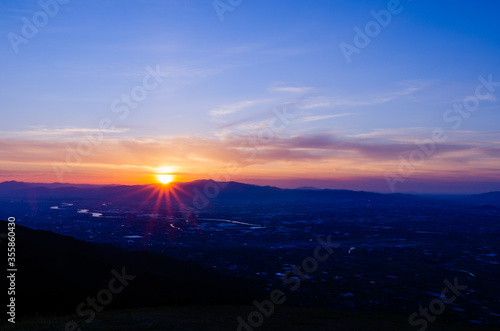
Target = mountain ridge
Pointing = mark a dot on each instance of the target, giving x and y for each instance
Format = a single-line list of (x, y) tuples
[(208, 189)]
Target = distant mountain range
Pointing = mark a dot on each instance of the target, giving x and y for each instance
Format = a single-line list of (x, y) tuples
[(307, 188), (208, 191)]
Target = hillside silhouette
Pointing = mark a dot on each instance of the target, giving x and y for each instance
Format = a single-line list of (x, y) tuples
[(56, 273)]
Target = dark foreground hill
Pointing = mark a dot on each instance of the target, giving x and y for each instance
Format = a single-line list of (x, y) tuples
[(224, 318), (56, 274)]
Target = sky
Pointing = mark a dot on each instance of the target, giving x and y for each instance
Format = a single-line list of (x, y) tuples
[(385, 96)]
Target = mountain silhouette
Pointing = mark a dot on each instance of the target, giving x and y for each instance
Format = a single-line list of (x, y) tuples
[(212, 191), (56, 273)]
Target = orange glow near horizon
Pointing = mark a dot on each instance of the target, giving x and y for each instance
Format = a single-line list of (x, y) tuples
[(164, 178), (164, 174)]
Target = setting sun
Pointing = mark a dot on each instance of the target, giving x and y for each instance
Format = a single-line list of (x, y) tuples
[(165, 179)]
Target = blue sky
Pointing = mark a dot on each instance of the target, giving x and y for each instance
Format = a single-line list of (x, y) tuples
[(222, 78)]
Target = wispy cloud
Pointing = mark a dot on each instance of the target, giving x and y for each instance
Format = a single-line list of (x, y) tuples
[(291, 89), (322, 117), (235, 107), (354, 154), (43, 131), (409, 88)]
